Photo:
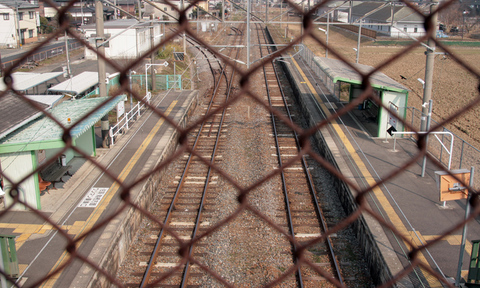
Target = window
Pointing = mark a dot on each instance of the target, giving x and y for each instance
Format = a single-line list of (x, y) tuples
[(30, 33), (20, 15), (415, 29), (405, 28), (6, 16), (31, 14), (165, 8)]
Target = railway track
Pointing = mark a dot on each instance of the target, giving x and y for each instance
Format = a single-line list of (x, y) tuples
[(182, 208), (305, 220), (179, 248)]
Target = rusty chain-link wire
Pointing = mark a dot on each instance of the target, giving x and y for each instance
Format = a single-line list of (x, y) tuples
[(183, 26)]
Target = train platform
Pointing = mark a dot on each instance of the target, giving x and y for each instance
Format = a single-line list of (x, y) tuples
[(89, 197), (407, 201)]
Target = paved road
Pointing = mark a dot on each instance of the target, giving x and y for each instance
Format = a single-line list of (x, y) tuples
[(10, 56)]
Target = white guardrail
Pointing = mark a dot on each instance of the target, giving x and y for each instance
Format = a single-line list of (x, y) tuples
[(124, 122)]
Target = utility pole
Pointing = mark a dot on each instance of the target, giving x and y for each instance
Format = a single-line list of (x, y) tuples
[(249, 4), (101, 63), (69, 71), (139, 10), (19, 40), (184, 36), (266, 11), (152, 56), (358, 41), (427, 91), (223, 11)]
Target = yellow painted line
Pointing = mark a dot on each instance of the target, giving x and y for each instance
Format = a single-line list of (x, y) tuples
[(109, 195), (392, 215)]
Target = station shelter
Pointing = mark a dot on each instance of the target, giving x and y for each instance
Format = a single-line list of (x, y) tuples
[(31, 82), (38, 141), (346, 84), (83, 84)]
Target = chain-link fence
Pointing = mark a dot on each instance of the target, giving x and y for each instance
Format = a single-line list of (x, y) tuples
[(465, 155)]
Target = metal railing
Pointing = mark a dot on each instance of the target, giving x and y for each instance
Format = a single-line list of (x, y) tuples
[(123, 123)]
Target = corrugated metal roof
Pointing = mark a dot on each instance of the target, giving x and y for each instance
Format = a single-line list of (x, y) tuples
[(23, 81), (49, 100), (77, 84), (30, 137), (337, 70)]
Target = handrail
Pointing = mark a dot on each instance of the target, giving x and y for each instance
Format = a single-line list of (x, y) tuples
[(124, 121), (432, 132)]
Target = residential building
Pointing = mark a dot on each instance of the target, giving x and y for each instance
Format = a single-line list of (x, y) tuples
[(130, 38), (165, 11), (18, 23), (393, 20)]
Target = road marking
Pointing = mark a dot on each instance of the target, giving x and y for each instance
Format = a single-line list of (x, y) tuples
[(382, 199), (92, 219)]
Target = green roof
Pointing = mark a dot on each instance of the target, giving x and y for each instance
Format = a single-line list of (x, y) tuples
[(45, 133), (339, 71)]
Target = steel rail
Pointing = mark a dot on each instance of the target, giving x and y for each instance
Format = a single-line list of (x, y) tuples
[(312, 193), (157, 246), (318, 210), (311, 186), (212, 159), (154, 255), (197, 44), (282, 175)]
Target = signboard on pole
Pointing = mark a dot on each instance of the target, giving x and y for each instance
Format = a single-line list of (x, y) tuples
[(450, 188), (120, 109)]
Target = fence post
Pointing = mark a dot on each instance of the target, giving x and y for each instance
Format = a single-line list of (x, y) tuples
[(110, 133), (441, 150), (413, 116)]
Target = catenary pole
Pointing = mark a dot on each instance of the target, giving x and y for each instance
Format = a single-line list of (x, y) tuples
[(427, 92), (101, 63)]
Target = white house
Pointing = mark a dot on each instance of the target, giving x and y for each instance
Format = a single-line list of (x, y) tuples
[(163, 10), (11, 34), (129, 38), (394, 20)]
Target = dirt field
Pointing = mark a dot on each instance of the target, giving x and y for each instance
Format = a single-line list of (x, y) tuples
[(453, 85)]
